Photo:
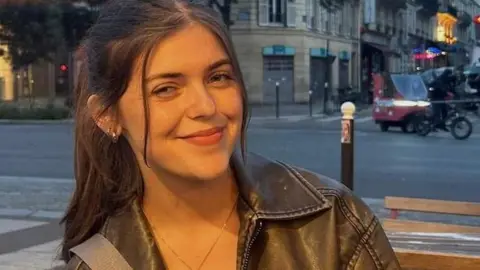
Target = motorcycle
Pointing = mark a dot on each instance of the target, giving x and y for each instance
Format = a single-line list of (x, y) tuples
[(442, 84), (454, 122)]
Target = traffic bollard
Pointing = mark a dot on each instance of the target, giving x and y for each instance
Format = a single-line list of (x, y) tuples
[(277, 101), (310, 103), (348, 111)]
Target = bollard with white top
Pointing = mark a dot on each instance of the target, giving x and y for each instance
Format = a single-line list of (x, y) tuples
[(348, 113)]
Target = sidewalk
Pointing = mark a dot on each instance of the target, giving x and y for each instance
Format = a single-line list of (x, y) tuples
[(43, 256)]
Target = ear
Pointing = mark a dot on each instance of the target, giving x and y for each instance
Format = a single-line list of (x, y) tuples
[(106, 120)]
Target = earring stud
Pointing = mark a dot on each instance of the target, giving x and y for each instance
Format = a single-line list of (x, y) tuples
[(114, 137)]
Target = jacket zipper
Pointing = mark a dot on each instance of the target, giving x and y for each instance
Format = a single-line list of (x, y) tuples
[(250, 244)]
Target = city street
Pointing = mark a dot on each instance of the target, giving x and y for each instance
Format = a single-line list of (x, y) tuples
[(391, 163), (36, 170)]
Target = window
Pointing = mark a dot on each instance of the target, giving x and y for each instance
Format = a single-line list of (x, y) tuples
[(347, 19), (310, 8), (276, 12), (334, 21), (324, 19)]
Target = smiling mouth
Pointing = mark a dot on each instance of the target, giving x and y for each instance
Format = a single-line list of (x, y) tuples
[(205, 137)]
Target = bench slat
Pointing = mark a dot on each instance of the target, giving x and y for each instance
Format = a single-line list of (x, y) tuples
[(417, 260), (398, 225), (433, 206)]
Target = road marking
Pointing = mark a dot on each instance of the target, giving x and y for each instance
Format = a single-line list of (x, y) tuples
[(10, 225), (33, 258), (328, 119), (363, 119), (7, 179)]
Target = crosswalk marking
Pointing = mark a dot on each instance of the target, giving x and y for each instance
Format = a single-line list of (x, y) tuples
[(39, 257), (8, 225)]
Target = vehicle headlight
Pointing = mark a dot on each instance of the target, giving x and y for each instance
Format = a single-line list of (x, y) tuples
[(404, 103), (423, 103)]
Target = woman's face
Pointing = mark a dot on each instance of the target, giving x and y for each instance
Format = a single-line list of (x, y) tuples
[(194, 103)]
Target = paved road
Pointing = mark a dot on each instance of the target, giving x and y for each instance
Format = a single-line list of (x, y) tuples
[(386, 163)]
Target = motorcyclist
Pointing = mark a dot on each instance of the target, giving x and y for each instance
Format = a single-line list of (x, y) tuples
[(438, 92)]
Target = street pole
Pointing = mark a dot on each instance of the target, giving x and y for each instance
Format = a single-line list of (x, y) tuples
[(277, 99), (310, 103), (328, 84), (347, 171)]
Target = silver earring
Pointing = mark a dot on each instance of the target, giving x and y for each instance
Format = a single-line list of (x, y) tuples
[(114, 137)]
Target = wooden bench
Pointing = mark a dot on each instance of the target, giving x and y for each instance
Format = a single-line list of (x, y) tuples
[(396, 204), (426, 260)]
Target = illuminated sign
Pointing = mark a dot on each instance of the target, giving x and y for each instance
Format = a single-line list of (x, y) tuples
[(476, 19)]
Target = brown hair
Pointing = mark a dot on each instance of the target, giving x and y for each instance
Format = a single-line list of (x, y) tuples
[(107, 175)]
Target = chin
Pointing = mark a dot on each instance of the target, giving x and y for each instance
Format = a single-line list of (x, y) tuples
[(210, 169), (199, 167), (206, 175)]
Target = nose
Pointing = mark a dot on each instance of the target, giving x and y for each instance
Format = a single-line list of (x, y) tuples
[(202, 104)]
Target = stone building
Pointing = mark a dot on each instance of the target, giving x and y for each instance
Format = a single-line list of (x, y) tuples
[(296, 43)]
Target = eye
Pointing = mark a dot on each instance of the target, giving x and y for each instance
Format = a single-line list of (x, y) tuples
[(166, 91), (221, 79)]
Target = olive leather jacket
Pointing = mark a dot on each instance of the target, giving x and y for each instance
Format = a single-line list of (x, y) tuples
[(291, 219)]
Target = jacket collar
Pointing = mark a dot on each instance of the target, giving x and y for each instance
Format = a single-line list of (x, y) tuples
[(274, 190), (269, 190)]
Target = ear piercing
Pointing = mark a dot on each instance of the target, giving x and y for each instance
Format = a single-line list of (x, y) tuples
[(113, 135)]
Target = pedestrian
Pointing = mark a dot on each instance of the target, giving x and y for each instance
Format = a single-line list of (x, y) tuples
[(163, 180)]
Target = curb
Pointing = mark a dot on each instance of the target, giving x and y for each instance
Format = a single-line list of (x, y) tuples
[(30, 214), (35, 122), (316, 116)]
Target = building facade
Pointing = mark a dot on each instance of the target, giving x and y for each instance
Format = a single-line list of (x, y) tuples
[(303, 47), (304, 50), (298, 45)]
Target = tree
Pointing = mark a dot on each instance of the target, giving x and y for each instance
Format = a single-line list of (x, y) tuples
[(76, 19), (224, 9), (30, 31)]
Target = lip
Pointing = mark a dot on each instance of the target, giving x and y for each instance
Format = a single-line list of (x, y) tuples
[(205, 137)]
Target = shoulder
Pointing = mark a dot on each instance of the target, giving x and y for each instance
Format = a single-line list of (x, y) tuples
[(339, 197), (339, 212), (75, 263)]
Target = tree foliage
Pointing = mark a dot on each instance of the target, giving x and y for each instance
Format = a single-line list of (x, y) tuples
[(75, 21), (225, 9), (29, 31), (34, 30)]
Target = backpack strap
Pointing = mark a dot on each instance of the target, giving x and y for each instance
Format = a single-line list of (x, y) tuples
[(100, 254)]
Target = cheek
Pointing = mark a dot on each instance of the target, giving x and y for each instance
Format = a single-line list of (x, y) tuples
[(230, 104), (132, 120)]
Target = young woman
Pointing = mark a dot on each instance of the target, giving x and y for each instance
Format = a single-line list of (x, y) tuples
[(160, 164)]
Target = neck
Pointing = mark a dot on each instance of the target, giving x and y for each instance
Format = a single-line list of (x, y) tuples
[(174, 201)]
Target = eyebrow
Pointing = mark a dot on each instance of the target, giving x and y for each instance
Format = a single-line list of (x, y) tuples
[(174, 75)]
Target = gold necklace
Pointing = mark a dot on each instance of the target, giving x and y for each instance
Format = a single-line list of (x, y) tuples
[(211, 248)]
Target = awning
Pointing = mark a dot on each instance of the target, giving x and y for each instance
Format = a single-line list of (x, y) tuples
[(384, 49)]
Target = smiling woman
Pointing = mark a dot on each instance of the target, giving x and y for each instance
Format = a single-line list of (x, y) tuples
[(161, 169)]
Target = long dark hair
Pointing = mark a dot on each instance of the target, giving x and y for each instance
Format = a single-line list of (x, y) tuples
[(107, 175)]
